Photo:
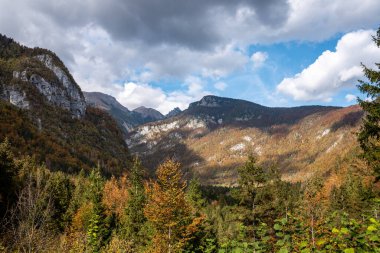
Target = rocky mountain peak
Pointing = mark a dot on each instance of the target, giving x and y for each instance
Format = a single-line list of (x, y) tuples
[(26, 72), (173, 112), (149, 113), (209, 101), (103, 101)]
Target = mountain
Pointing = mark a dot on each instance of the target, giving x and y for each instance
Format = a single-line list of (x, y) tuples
[(215, 135), (126, 119), (173, 113), (44, 114), (149, 114)]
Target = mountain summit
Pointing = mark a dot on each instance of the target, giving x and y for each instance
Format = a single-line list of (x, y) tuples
[(126, 119)]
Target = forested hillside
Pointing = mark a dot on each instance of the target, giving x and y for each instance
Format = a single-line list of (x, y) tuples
[(43, 114), (67, 183)]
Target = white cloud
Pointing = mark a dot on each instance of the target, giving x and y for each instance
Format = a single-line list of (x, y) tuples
[(142, 44), (350, 97), (133, 95), (258, 59), (333, 71), (220, 86)]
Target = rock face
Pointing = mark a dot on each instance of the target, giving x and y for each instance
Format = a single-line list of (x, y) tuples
[(67, 94), (60, 92), (17, 98), (24, 72)]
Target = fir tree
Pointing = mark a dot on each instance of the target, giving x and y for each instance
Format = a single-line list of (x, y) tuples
[(134, 211), (369, 136), (97, 231)]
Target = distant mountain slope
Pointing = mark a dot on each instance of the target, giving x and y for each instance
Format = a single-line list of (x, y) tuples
[(44, 114), (173, 113), (127, 119), (214, 135), (227, 111), (149, 114)]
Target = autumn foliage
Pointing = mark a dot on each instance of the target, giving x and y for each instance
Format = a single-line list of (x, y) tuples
[(168, 210)]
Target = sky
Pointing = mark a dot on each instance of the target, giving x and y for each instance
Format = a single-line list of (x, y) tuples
[(168, 53)]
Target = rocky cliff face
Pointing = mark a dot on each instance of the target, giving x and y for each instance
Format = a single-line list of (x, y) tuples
[(26, 71), (67, 94), (59, 91)]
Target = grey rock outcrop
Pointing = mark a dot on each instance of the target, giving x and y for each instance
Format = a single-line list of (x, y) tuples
[(70, 97), (62, 91), (15, 97)]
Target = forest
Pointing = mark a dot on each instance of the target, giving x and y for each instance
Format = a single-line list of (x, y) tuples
[(44, 210)]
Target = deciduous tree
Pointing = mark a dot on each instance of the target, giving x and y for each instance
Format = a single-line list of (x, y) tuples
[(168, 210)]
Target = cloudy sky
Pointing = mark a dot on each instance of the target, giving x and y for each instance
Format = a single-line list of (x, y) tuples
[(168, 53)]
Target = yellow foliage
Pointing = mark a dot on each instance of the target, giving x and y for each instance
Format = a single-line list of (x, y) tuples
[(115, 195)]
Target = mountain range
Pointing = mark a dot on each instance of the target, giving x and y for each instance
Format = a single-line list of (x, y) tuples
[(126, 119), (215, 135), (44, 113)]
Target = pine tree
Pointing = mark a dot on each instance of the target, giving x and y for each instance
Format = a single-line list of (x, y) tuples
[(369, 136), (134, 211), (168, 210)]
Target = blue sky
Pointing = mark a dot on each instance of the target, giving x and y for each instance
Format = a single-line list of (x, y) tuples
[(169, 53), (283, 60)]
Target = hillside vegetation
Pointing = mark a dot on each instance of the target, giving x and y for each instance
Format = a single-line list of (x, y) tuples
[(43, 114), (211, 144), (323, 197)]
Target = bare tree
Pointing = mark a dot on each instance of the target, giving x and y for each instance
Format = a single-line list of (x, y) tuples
[(29, 219)]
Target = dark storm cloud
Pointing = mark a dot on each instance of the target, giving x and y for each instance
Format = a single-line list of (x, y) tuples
[(193, 24)]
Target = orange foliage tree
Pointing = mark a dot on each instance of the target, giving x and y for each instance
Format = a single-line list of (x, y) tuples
[(168, 210)]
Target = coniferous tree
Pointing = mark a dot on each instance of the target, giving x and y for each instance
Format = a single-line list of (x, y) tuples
[(135, 219), (194, 194), (369, 136), (97, 231), (251, 177)]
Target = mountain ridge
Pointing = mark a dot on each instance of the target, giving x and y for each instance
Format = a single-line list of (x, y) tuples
[(215, 135), (127, 119)]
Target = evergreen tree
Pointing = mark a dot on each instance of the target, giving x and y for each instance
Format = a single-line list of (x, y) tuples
[(251, 177), (194, 194), (98, 230), (134, 211), (369, 136)]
